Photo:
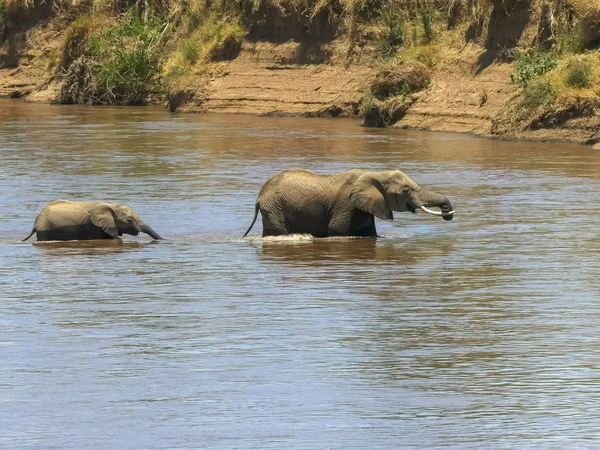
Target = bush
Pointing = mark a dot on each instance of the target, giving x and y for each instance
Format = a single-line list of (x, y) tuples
[(2, 21), (589, 14), (216, 38), (427, 55), (579, 74), (377, 113), (427, 18), (538, 93), (400, 80), (568, 39), (393, 36), (128, 60), (190, 51), (119, 65), (530, 66), (76, 38)]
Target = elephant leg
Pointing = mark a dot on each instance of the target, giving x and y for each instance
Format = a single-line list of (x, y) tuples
[(94, 232), (71, 232), (353, 223), (43, 236), (271, 229), (367, 228)]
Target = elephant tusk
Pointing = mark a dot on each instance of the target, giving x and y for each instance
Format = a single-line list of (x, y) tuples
[(436, 213)]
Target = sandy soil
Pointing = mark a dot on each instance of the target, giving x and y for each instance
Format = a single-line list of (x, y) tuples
[(24, 70), (272, 79), (459, 99)]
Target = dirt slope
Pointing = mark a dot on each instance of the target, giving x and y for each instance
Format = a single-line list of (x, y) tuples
[(274, 79), (461, 100), (26, 72)]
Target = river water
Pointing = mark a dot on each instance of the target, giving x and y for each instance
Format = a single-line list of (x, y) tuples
[(479, 332)]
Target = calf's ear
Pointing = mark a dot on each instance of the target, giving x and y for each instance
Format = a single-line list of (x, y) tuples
[(103, 217)]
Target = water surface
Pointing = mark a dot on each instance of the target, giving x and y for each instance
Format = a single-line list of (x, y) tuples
[(479, 332)]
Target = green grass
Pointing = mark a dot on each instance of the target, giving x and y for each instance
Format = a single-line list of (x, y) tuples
[(127, 62), (531, 65), (190, 51)]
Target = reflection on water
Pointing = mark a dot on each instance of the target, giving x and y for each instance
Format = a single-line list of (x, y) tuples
[(477, 332)]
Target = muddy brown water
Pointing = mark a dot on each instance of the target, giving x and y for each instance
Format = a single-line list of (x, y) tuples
[(482, 331)]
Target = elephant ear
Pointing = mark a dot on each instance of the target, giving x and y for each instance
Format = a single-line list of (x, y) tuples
[(103, 217), (367, 194)]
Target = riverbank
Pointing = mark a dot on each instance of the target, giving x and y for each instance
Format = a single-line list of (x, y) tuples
[(497, 68)]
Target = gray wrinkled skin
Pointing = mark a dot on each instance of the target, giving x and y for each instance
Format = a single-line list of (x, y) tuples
[(64, 220), (345, 204)]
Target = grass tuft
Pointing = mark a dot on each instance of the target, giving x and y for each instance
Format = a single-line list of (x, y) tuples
[(579, 74), (76, 37), (538, 93), (217, 38)]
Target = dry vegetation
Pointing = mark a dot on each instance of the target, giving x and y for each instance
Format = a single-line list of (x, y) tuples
[(126, 52), (558, 71)]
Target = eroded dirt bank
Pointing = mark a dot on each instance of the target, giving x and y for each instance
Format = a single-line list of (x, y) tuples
[(277, 79), (319, 65)]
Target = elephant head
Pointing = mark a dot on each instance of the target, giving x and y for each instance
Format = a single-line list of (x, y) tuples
[(380, 193), (116, 219)]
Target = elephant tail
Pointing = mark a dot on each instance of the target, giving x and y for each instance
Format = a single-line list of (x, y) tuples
[(31, 234), (256, 208)]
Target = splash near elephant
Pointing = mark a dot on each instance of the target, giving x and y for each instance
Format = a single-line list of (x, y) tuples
[(299, 201), (64, 220)]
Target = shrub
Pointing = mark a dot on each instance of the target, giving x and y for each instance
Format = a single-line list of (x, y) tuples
[(119, 65), (368, 103), (128, 64), (568, 38), (76, 38), (2, 21), (378, 113), (538, 93), (530, 66), (589, 14), (428, 55), (579, 74), (393, 36), (427, 18), (190, 51), (216, 38), (400, 80)]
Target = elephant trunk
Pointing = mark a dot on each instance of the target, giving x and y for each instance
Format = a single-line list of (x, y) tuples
[(150, 232), (432, 199)]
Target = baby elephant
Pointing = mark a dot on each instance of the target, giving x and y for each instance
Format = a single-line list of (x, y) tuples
[(344, 204), (64, 220)]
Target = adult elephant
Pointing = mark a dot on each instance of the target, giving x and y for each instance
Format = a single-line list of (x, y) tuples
[(64, 220), (345, 204)]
